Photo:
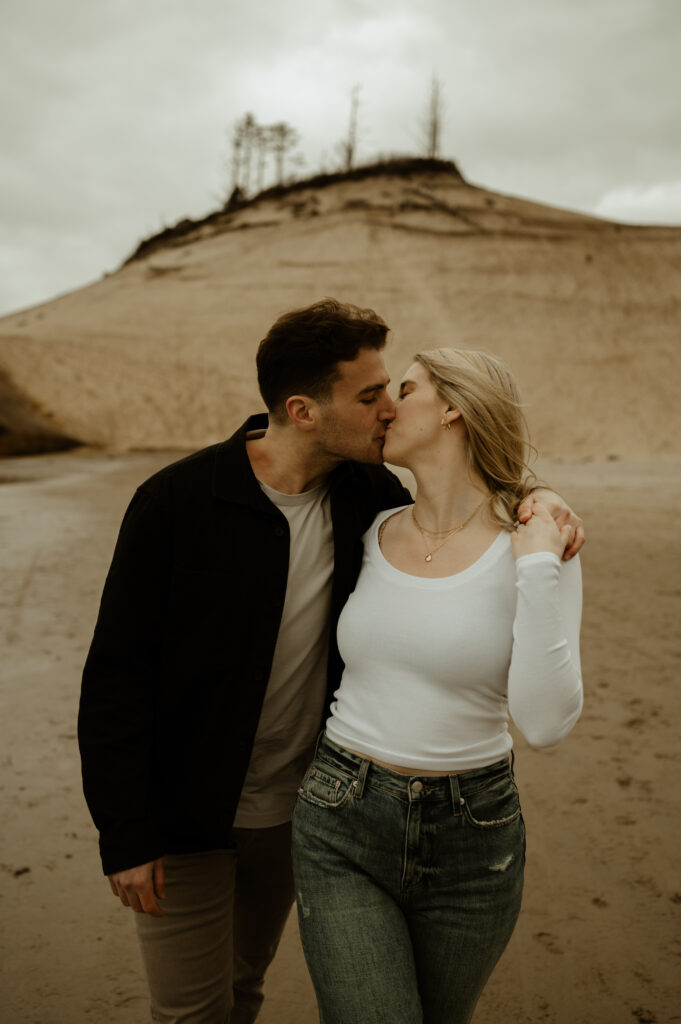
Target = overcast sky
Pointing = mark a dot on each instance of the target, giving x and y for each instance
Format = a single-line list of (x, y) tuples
[(116, 114)]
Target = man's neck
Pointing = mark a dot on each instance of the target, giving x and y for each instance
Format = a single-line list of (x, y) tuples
[(285, 466)]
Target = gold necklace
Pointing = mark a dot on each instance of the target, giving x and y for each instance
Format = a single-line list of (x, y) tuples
[(439, 533)]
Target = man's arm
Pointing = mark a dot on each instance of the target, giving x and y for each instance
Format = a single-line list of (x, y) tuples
[(117, 717), (394, 493), (561, 512)]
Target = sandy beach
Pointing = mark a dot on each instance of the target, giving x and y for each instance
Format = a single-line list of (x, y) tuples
[(598, 940)]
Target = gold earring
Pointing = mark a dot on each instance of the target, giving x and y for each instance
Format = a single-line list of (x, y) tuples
[(447, 426)]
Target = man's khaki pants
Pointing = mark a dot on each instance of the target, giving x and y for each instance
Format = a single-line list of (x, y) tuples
[(224, 913)]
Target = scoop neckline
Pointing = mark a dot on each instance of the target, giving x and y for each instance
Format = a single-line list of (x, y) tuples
[(489, 555)]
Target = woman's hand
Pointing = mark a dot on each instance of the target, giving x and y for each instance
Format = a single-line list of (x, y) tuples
[(562, 514), (540, 533)]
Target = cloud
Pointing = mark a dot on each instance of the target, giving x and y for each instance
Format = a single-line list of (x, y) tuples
[(643, 204), (118, 114)]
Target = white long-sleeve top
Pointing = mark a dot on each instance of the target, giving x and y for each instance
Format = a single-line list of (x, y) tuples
[(433, 666)]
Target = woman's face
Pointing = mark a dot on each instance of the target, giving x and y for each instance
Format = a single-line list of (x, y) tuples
[(418, 417)]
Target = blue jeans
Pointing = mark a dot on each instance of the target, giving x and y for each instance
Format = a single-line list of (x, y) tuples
[(408, 888)]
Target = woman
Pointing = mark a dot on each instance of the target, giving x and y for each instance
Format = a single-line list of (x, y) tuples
[(409, 844)]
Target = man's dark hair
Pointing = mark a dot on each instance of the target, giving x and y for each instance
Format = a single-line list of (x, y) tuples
[(301, 351)]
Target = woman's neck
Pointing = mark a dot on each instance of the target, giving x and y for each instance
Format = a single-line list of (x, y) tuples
[(444, 499)]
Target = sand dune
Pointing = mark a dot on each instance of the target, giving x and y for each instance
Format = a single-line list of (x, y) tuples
[(160, 354)]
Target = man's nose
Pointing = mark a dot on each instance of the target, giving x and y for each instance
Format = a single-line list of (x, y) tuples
[(388, 410)]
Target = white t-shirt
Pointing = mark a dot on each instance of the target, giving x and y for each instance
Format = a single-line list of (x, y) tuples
[(296, 690), (432, 666)]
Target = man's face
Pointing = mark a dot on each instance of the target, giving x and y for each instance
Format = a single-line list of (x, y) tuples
[(352, 424)]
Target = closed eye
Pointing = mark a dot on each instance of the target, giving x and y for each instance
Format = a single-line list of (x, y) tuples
[(370, 395)]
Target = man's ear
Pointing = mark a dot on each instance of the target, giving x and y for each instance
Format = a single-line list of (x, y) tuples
[(300, 409)]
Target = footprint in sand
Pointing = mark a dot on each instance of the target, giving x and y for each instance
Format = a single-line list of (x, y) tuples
[(644, 1016), (549, 942)]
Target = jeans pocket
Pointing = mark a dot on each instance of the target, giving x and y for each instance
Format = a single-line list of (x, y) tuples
[(324, 790), (494, 805)]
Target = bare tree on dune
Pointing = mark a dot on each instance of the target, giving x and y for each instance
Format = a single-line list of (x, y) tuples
[(243, 141), (250, 128), (284, 138), (237, 146), (434, 119), (263, 142), (349, 145)]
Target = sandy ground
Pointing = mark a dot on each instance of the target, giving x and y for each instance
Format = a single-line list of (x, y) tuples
[(598, 940)]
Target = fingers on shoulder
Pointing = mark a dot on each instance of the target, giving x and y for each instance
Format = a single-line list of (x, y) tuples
[(576, 544)]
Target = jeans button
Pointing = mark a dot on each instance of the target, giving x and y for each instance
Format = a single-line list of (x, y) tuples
[(416, 786)]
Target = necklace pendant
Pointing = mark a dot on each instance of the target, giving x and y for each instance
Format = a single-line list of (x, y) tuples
[(429, 558)]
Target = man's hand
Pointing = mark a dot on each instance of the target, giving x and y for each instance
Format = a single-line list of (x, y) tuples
[(140, 887), (540, 533), (560, 512)]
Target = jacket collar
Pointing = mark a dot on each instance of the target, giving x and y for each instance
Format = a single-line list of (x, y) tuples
[(233, 476)]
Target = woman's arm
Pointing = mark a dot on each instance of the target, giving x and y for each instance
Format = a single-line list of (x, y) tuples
[(545, 681)]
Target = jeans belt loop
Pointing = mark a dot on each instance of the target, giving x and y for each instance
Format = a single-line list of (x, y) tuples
[(455, 790), (320, 737), (361, 778)]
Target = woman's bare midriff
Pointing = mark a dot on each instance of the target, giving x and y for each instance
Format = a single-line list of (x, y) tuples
[(400, 769)]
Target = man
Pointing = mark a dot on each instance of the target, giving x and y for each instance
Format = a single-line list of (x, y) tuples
[(214, 658)]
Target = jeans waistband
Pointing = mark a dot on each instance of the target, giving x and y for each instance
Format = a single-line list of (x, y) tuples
[(437, 787)]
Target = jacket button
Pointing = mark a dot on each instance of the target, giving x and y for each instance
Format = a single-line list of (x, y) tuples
[(279, 531)]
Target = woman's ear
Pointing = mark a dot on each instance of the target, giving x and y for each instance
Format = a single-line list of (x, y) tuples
[(450, 416)]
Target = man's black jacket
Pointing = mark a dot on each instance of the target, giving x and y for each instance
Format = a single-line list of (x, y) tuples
[(181, 655)]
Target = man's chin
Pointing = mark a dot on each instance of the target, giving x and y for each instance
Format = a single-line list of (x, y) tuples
[(371, 457), (374, 457)]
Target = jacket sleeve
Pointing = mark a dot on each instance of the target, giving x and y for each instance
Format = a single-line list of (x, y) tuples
[(545, 679), (117, 716)]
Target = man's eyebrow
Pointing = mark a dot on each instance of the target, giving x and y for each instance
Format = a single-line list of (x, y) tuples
[(374, 387)]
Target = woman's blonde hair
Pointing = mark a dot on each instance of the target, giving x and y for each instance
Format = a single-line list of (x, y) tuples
[(497, 445)]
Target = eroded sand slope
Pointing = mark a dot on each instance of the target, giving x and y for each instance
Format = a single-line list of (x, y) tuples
[(160, 354)]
